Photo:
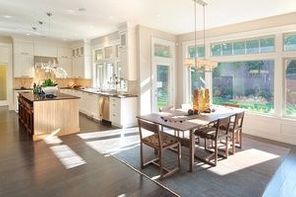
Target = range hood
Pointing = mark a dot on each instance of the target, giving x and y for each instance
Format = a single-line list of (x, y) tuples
[(41, 60)]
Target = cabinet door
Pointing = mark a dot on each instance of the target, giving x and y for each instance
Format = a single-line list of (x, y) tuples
[(42, 49), (23, 48), (23, 65), (78, 67), (64, 52), (66, 64)]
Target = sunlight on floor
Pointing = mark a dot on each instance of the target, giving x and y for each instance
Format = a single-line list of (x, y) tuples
[(67, 156), (52, 140), (100, 134), (242, 160)]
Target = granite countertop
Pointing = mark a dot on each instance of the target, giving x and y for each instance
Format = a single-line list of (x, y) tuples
[(107, 93), (33, 97)]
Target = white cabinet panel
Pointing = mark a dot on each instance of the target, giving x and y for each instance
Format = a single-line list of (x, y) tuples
[(66, 64), (23, 65), (24, 48), (78, 67), (43, 49), (64, 52)]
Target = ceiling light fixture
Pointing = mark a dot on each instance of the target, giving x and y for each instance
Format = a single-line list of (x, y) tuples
[(203, 64), (7, 16), (81, 9)]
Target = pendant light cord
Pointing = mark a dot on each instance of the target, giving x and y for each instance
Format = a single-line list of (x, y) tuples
[(204, 29), (195, 33)]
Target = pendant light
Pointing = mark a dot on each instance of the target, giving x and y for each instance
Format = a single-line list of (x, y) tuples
[(203, 64)]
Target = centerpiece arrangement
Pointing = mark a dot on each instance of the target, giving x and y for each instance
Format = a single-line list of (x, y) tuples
[(201, 102), (48, 88)]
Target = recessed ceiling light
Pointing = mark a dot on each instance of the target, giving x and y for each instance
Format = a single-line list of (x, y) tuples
[(28, 34), (7, 16), (81, 9), (111, 17)]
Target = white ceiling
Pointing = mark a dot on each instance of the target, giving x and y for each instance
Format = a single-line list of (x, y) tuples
[(101, 16)]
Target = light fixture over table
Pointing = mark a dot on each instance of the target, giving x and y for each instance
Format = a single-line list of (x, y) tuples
[(204, 64)]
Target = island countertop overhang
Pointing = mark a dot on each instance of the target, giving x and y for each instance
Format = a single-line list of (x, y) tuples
[(35, 98)]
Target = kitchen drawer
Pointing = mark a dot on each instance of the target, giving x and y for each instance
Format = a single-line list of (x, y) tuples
[(115, 118), (115, 104)]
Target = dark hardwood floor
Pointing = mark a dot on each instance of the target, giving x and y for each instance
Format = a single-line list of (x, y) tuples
[(32, 169)]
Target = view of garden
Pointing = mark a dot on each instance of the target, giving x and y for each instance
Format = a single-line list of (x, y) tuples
[(248, 84)]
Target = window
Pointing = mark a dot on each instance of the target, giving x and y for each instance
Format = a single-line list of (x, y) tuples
[(200, 51), (252, 46), (196, 80), (240, 47), (216, 49), (290, 42), (248, 84), (162, 50), (227, 49), (290, 87), (266, 45)]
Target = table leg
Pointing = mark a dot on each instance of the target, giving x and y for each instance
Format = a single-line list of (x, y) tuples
[(191, 150)]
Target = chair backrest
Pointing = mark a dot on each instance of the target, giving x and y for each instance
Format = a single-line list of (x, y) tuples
[(223, 125), (149, 126), (239, 119)]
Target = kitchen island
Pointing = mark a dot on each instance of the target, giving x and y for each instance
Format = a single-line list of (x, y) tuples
[(41, 116)]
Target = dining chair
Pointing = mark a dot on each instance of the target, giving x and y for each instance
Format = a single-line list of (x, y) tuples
[(158, 141), (215, 131), (235, 130)]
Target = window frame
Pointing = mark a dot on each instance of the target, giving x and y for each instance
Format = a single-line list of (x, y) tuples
[(283, 41)]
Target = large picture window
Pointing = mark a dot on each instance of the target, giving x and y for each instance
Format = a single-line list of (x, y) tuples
[(290, 87), (249, 84)]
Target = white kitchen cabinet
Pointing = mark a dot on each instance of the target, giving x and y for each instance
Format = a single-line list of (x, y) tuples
[(24, 48), (127, 51), (66, 64), (45, 49), (78, 69), (23, 65), (123, 111), (64, 52)]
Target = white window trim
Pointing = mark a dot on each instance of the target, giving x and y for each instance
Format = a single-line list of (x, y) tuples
[(279, 55), (171, 61)]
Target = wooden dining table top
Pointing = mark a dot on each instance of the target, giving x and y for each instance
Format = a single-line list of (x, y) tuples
[(179, 119)]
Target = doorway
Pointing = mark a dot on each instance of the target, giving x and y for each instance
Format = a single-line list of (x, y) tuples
[(3, 85)]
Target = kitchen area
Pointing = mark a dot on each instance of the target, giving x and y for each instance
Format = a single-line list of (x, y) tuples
[(100, 72)]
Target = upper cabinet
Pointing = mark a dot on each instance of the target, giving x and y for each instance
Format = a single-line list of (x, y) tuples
[(45, 49), (23, 55), (127, 51), (24, 48), (64, 52), (81, 57)]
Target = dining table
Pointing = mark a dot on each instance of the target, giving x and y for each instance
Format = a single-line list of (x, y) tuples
[(179, 121)]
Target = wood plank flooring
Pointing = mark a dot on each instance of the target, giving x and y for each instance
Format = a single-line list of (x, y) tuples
[(32, 169)]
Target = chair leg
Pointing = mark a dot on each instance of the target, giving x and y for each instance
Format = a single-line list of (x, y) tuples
[(226, 148), (155, 152), (160, 164), (240, 138), (179, 156), (233, 142), (216, 151), (141, 154), (205, 143)]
